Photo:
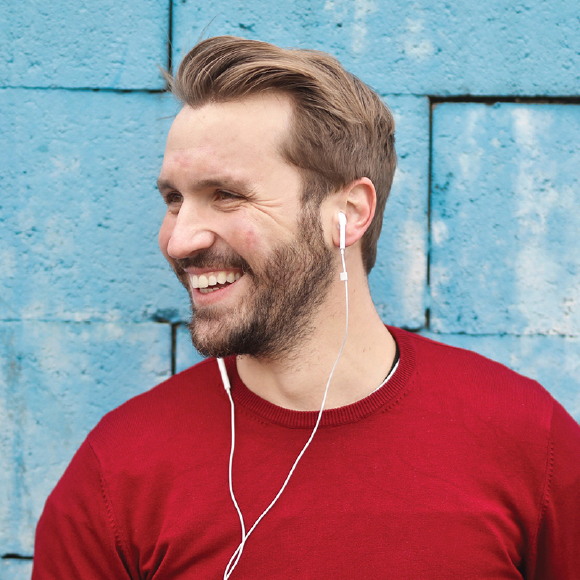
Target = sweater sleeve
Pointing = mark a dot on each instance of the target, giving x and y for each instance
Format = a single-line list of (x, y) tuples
[(77, 536), (557, 554)]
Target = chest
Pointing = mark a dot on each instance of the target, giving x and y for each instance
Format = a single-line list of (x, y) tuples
[(384, 508)]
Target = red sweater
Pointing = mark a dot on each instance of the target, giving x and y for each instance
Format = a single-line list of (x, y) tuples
[(456, 468)]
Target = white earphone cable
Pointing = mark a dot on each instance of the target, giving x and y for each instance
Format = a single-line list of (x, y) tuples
[(227, 385), (238, 553)]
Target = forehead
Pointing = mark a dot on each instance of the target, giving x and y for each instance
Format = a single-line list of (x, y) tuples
[(234, 132)]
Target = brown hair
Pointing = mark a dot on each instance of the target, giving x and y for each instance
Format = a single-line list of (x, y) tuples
[(341, 130)]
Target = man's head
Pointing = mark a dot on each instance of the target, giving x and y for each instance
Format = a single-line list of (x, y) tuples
[(254, 259), (340, 130)]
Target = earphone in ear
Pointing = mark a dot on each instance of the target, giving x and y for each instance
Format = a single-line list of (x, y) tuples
[(342, 226), (342, 243)]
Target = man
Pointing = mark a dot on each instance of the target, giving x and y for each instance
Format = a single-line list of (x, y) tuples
[(426, 462)]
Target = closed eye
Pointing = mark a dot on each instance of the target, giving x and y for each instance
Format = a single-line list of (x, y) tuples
[(222, 195)]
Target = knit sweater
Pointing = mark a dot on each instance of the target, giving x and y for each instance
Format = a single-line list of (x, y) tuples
[(456, 468)]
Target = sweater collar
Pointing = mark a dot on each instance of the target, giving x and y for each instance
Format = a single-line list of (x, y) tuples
[(381, 400)]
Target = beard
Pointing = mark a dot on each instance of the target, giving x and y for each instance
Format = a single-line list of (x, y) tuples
[(276, 313)]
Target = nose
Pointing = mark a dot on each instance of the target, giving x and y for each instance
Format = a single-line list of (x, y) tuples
[(185, 233)]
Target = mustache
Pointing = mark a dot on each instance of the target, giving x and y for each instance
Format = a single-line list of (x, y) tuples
[(212, 259)]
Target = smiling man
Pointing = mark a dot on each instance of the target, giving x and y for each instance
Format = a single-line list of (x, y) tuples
[(320, 443), (231, 231)]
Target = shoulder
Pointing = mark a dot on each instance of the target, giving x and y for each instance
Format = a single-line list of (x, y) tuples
[(461, 366), (470, 382), (184, 403)]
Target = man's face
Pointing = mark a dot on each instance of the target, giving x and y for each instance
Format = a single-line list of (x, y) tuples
[(255, 262)]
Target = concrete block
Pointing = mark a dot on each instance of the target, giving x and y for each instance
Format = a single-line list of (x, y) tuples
[(398, 281), (553, 361), (422, 47), (185, 355), (15, 569), (58, 379), (80, 211), (104, 44), (506, 188)]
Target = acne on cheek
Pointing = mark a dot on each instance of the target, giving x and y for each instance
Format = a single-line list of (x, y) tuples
[(250, 238), (244, 235)]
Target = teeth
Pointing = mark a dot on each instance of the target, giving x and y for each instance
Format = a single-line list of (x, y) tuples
[(205, 281)]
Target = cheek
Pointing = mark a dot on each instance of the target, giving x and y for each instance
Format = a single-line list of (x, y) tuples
[(250, 238), (244, 235)]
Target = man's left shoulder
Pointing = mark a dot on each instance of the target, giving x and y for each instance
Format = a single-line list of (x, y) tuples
[(472, 381)]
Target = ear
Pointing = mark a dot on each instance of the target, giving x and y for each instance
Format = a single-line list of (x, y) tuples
[(358, 201)]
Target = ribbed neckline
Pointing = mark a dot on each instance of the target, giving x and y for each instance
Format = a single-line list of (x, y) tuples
[(331, 417)]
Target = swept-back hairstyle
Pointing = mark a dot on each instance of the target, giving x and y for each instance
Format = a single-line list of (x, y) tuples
[(340, 130)]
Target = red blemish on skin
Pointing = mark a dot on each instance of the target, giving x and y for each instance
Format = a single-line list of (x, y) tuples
[(181, 158), (250, 238)]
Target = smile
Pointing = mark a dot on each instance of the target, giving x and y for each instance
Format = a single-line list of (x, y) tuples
[(212, 281)]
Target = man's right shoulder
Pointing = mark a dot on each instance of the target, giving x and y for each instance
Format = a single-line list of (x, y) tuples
[(187, 400)]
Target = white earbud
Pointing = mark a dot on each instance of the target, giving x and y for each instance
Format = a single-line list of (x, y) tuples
[(342, 243), (342, 226)]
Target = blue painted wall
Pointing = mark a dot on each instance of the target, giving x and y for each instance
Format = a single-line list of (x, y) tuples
[(480, 243)]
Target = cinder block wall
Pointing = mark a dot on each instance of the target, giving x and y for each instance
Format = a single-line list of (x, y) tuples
[(480, 242)]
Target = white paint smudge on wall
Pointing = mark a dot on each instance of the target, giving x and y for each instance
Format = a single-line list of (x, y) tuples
[(8, 263), (63, 312), (55, 358), (113, 331), (64, 165), (440, 278), (362, 9), (414, 42), (440, 232), (538, 276), (470, 160), (35, 309), (58, 233), (411, 245)]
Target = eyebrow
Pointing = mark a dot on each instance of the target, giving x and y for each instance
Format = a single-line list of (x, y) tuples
[(163, 184), (225, 182)]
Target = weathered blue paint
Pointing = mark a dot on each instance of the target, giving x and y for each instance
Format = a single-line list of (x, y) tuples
[(423, 47), (553, 361), (505, 225), (80, 208), (15, 569), (64, 43), (58, 379), (185, 355), (399, 280)]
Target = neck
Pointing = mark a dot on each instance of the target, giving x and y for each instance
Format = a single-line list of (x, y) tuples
[(297, 379)]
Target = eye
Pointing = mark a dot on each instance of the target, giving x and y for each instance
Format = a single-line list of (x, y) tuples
[(222, 195), (172, 198)]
